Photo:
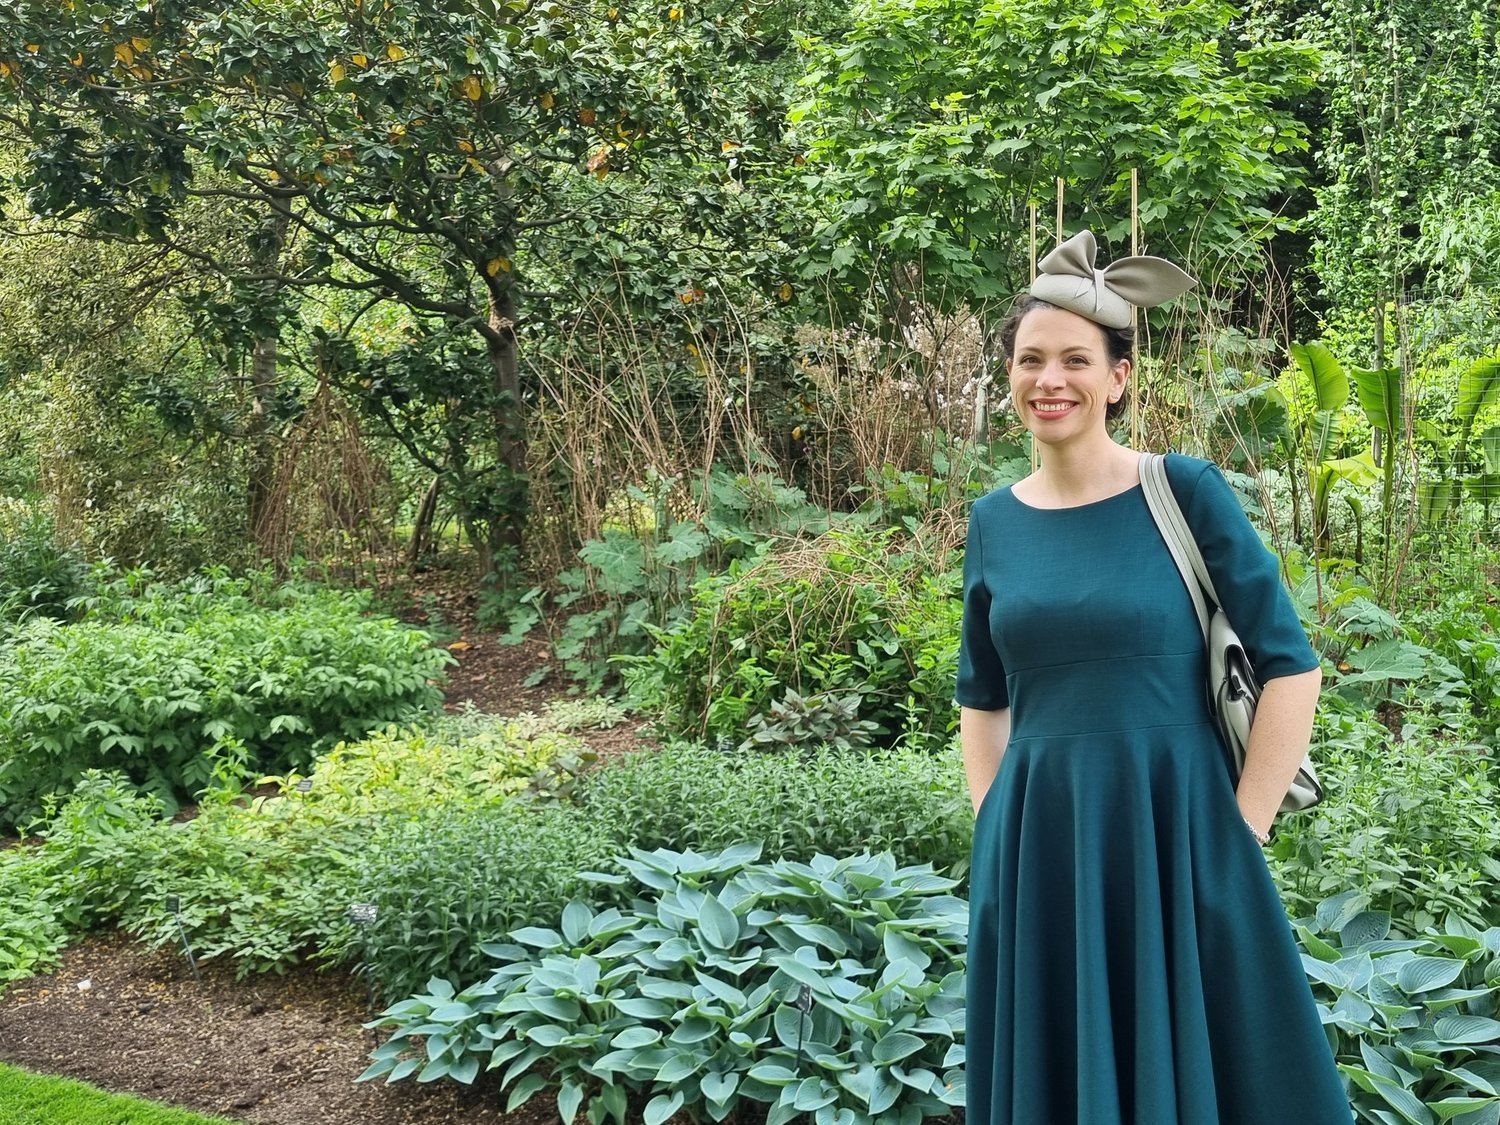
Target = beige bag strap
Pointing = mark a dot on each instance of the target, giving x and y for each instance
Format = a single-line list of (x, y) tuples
[(1178, 536)]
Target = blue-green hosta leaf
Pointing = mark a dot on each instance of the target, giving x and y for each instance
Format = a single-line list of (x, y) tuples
[(823, 936), (635, 1037), (681, 1065), (1449, 1108), (718, 924), (920, 1079), (1321, 950), (657, 989), (692, 1030), (1406, 1103), (721, 991), (720, 1087), (1474, 1080), (1467, 1029), (953, 1090), (538, 938), (885, 1092), (547, 1035), (611, 1102), (643, 1008), (1334, 913), (575, 924), (772, 1074), (894, 1047), (813, 1094), (1422, 974), (612, 923), (899, 947), (661, 1107), (1368, 925), (793, 1027), (569, 1098), (523, 1092), (452, 1012), (1328, 972)]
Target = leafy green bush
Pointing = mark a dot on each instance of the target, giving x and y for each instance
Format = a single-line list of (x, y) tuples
[(1414, 1020), (856, 611), (1411, 821), (834, 987), (907, 802), (447, 878), (193, 688), (57, 888), (270, 881), (38, 578), (799, 721)]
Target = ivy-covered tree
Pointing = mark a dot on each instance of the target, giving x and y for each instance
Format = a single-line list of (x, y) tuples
[(933, 125), (417, 153)]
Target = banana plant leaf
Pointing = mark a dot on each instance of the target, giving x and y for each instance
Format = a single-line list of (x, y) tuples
[(1379, 396), (1329, 382)]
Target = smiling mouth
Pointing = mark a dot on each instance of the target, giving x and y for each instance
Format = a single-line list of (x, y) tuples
[(1051, 407)]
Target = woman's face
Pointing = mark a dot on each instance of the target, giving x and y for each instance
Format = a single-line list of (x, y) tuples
[(1061, 377)]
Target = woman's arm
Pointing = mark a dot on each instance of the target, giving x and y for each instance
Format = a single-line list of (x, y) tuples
[(1278, 742), (983, 735)]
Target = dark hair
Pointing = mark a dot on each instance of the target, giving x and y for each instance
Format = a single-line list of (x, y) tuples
[(1119, 343)]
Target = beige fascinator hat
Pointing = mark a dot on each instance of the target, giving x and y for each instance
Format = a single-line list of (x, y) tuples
[(1067, 278)]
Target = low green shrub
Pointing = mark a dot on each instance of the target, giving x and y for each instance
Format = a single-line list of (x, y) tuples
[(32, 930), (907, 802), (38, 577), (57, 887), (189, 689), (1412, 820), (833, 987), (447, 878), (1414, 1020), (856, 611)]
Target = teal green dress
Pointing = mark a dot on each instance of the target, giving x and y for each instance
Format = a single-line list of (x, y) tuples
[(1130, 962)]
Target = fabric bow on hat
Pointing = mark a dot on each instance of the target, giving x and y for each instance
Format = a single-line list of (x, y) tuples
[(1067, 278)]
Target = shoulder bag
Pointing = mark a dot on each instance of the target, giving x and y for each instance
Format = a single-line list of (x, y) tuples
[(1233, 689)]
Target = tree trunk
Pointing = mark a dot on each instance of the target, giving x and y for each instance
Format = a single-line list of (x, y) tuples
[(263, 385), (422, 528), (506, 523), (262, 451)]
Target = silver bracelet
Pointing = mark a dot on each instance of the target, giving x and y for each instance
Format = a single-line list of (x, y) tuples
[(1261, 838)]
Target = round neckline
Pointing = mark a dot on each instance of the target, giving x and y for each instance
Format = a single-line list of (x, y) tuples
[(1074, 507)]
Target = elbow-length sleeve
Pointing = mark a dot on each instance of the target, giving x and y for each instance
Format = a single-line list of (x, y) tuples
[(981, 675), (1246, 573)]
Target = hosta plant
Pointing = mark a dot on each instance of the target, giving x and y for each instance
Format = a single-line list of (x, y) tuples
[(832, 988), (1414, 1020)]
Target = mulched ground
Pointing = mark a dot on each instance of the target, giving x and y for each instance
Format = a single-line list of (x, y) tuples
[(269, 1050)]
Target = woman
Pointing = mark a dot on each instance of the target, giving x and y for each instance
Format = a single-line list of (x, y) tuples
[(1129, 960)]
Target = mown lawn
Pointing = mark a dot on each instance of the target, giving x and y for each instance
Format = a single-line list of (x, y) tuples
[(39, 1099)]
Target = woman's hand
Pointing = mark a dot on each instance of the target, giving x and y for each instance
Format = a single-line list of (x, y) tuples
[(1278, 743)]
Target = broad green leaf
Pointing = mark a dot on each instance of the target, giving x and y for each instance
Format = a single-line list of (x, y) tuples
[(1467, 1029), (1330, 386), (719, 1087), (1478, 387), (661, 1107), (569, 1098), (895, 1047), (1421, 974), (1379, 394), (718, 924), (523, 1092)]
